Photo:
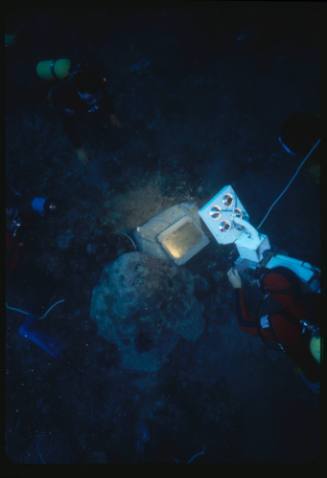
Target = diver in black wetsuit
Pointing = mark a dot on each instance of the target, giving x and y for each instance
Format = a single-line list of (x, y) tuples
[(82, 94)]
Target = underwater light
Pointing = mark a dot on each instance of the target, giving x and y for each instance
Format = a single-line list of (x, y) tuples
[(174, 234), (215, 212), (227, 199), (182, 240), (224, 226)]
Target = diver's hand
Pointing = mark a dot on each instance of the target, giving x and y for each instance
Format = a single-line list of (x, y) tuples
[(81, 155), (234, 278)]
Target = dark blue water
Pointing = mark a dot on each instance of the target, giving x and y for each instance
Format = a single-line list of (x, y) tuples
[(201, 92)]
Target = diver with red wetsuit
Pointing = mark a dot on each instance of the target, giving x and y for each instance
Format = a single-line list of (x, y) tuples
[(290, 320)]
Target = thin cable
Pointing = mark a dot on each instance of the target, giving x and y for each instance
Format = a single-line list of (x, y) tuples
[(195, 456), (314, 147), (50, 308), (130, 239), (20, 311)]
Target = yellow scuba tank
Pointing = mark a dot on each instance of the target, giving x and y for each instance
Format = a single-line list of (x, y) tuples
[(53, 69), (315, 348)]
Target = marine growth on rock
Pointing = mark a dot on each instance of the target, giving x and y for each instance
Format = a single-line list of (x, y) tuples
[(144, 305)]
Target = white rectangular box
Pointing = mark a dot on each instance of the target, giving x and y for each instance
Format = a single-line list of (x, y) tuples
[(218, 214)]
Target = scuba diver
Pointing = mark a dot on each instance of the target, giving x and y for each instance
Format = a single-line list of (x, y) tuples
[(79, 93), (286, 318), (22, 213), (20, 216)]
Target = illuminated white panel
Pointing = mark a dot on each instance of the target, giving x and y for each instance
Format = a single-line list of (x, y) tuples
[(218, 215), (183, 240)]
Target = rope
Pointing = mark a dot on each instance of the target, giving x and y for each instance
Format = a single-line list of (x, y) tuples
[(195, 456), (20, 311), (50, 308), (130, 239), (314, 147), (23, 312)]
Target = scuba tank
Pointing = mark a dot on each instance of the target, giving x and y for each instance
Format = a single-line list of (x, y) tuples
[(53, 69), (315, 344)]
